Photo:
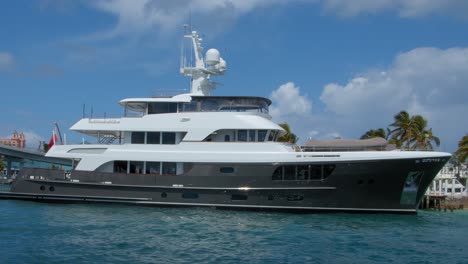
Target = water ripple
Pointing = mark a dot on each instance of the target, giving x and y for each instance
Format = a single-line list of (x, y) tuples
[(75, 233)]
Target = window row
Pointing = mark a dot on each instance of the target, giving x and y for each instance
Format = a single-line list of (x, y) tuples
[(210, 105), (150, 167), (244, 135), (303, 172), (155, 138)]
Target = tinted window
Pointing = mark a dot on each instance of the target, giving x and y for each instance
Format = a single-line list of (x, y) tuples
[(226, 169), (315, 172), (227, 138), (168, 138), (289, 173), (328, 170), (153, 167), (302, 172), (136, 167), (153, 138), (278, 174), (239, 197), (271, 136), (138, 137), (120, 166), (251, 135), (169, 168), (242, 135), (190, 195), (163, 107), (262, 135)]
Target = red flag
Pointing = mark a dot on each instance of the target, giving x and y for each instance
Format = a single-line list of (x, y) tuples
[(53, 139)]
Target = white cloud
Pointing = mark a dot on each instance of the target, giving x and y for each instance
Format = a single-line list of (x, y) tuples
[(405, 8), (7, 61), (139, 16), (32, 139), (287, 101), (427, 81)]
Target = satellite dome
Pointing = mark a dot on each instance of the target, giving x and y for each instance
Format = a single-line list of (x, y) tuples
[(212, 56)]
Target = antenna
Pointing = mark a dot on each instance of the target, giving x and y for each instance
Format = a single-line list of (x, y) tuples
[(200, 73)]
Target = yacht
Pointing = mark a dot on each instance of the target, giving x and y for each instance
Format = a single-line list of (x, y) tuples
[(195, 149)]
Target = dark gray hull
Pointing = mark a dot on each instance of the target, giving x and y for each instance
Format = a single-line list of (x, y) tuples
[(392, 186)]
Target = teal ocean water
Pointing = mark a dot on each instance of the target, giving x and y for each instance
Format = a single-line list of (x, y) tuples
[(80, 233)]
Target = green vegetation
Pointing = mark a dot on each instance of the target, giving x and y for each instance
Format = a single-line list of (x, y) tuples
[(289, 136), (462, 152), (410, 132), (380, 132)]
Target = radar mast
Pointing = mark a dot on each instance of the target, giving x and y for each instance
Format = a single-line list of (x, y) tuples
[(202, 71)]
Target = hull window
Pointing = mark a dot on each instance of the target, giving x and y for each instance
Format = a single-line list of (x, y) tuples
[(238, 197), (289, 173), (226, 169), (190, 195), (302, 172)]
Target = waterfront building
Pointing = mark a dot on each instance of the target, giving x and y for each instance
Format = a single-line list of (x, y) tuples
[(17, 140)]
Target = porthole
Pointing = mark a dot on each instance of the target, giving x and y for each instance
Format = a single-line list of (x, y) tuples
[(163, 195), (190, 195), (51, 188), (42, 188), (238, 197), (226, 169), (295, 197)]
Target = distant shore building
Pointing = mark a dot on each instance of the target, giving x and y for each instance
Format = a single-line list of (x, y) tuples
[(17, 140)]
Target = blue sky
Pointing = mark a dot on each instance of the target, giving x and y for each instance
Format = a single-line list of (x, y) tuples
[(332, 67)]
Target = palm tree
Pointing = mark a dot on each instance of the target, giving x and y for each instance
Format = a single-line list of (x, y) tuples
[(289, 136), (406, 128), (425, 139), (380, 132), (462, 151)]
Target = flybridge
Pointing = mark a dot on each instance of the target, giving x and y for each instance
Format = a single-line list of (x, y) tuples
[(201, 73)]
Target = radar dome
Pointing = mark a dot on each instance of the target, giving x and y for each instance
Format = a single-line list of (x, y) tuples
[(212, 56)]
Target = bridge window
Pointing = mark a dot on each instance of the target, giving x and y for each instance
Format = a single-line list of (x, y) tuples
[(262, 135), (162, 107), (242, 135), (252, 135)]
